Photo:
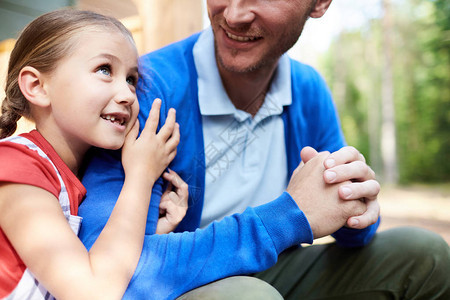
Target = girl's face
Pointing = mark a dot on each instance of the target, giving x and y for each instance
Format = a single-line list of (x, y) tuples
[(93, 91)]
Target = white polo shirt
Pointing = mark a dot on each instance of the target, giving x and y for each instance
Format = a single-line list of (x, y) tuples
[(245, 157)]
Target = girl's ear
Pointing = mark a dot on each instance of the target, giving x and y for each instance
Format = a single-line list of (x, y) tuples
[(320, 8), (31, 83)]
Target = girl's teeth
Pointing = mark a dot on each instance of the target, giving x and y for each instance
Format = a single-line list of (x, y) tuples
[(113, 119)]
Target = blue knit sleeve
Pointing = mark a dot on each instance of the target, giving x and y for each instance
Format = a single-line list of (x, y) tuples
[(103, 180), (175, 263)]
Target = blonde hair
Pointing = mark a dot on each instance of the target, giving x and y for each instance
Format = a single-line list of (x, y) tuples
[(42, 43)]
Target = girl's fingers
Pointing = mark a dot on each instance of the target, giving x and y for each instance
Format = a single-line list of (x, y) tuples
[(168, 189), (181, 187), (167, 176), (168, 129), (172, 177), (174, 139), (171, 205), (153, 118), (171, 155), (133, 133), (163, 204)]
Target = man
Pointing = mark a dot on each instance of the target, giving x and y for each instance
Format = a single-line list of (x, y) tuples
[(245, 111)]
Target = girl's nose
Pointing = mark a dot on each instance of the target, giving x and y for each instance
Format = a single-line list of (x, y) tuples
[(125, 95)]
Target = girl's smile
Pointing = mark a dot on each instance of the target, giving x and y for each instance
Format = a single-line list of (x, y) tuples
[(95, 88)]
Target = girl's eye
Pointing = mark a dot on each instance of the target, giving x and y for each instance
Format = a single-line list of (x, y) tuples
[(105, 70), (132, 80)]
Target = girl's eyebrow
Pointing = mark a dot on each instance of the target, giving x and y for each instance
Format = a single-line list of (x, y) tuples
[(114, 59), (134, 69), (105, 55)]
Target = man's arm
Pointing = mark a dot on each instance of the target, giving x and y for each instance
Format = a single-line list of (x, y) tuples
[(174, 263)]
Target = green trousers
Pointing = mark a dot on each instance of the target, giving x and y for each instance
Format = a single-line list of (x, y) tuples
[(402, 263)]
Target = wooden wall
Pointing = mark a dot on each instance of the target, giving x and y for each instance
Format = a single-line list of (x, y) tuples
[(154, 24)]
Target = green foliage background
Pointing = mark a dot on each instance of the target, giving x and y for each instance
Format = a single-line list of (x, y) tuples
[(421, 47)]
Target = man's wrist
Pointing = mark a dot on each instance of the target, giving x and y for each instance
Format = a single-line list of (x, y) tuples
[(285, 222)]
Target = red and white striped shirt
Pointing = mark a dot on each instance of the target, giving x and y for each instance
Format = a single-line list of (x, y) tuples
[(30, 159)]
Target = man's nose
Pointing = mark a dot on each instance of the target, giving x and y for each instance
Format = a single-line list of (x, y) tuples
[(238, 13)]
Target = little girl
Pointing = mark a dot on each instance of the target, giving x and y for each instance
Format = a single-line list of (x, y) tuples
[(74, 73)]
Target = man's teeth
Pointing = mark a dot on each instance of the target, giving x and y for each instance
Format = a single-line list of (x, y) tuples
[(240, 38)]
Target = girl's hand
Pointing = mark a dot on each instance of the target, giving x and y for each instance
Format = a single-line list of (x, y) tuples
[(174, 204), (146, 158)]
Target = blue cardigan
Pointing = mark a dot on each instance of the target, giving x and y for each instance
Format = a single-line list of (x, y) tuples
[(172, 264)]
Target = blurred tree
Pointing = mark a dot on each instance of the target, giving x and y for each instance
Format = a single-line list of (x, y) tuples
[(420, 46), (388, 128)]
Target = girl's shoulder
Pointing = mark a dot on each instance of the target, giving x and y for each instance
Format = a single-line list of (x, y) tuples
[(24, 162), (30, 159)]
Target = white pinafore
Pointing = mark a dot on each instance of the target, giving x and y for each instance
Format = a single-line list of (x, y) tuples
[(29, 288)]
